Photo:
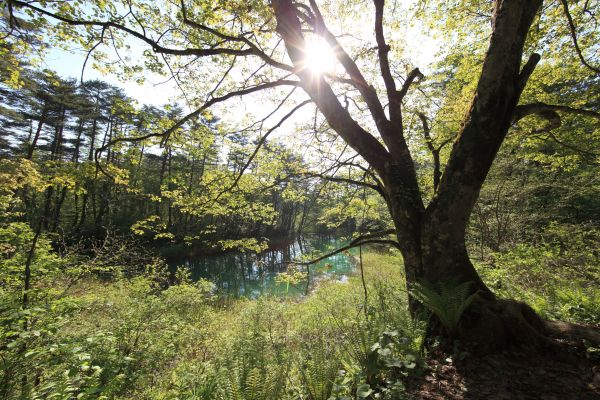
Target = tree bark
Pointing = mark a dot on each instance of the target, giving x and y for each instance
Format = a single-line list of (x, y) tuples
[(36, 136), (432, 238)]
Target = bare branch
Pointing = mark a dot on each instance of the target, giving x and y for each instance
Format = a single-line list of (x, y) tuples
[(330, 178), (166, 134), (412, 76), (257, 51), (359, 241), (573, 32), (89, 53), (215, 100), (200, 52), (348, 247), (261, 141)]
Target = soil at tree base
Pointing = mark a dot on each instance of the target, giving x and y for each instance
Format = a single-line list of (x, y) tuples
[(523, 375)]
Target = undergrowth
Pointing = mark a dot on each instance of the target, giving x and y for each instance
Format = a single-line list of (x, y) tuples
[(558, 274), (134, 338)]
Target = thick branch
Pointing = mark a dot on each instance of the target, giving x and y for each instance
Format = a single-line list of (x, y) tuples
[(540, 108), (412, 76), (383, 50), (367, 91), (551, 114), (288, 26)]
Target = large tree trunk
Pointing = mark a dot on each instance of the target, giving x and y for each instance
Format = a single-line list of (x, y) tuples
[(434, 248), (436, 255), (432, 238)]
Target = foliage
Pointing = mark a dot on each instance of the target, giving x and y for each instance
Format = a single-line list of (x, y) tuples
[(131, 338), (448, 300), (558, 274), (99, 318)]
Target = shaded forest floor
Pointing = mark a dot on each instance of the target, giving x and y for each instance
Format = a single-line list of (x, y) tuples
[(516, 375)]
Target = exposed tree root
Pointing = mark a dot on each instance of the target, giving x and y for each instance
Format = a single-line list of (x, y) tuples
[(573, 332), (494, 325)]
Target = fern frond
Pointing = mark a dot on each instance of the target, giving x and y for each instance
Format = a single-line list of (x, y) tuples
[(447, 300)]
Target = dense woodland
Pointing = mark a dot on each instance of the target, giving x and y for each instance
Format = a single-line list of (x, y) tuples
[(466, 192), (64, 128)]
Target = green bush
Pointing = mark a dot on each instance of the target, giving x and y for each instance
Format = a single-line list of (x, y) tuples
[(559, 275)]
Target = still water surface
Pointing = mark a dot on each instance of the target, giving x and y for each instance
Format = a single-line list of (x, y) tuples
[(251, 275)]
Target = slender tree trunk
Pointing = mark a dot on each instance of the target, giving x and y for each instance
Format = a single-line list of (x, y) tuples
[(93, 139), (161, 176), (58, 207), (77, 148), (83, 209), (170, 187), (36, 136)]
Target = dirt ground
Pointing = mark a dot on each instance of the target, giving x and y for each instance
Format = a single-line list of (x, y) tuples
[(562, 374)]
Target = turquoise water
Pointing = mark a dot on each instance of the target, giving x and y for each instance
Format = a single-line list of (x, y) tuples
[(251, 275)]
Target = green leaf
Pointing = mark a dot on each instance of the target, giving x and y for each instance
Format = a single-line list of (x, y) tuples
[(363, 391)]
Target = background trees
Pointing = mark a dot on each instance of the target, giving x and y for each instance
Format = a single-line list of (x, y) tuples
[(173, 193)]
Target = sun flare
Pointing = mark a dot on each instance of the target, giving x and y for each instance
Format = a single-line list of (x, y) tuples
[(319, 57)]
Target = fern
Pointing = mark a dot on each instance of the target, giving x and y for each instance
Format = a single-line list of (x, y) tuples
[(254, 385), (230, 388), (240, 382), (448, 300), (318, 370)]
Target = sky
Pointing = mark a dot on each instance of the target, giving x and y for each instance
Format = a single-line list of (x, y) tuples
[(68, 64)]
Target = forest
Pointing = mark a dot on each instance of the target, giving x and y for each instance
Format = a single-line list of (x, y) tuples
[(299, 199)]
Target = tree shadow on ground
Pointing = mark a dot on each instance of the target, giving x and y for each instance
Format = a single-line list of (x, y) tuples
[(560, 374)]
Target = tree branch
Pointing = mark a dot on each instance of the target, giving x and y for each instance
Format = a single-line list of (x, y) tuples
[(199, 52), (367, 91), (261, 141), (572, 31), (383, 50), (215, 100), (412, 76), (257, 51), (166, 134), (289, 27), (435, 152), (540, 108), (377, 188), (354, 243)]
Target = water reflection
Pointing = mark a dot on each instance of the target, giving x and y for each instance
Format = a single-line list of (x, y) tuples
[(253, 275)]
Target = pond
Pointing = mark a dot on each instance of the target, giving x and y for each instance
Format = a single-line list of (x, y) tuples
[(252, 275)]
